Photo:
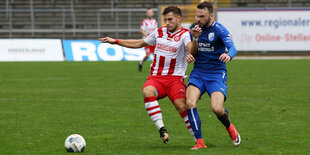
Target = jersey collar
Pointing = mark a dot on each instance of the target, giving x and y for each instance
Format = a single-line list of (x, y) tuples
[(205, 28), (171, 35)]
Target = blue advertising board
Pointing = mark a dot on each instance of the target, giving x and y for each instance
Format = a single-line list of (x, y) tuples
[(94, 50)]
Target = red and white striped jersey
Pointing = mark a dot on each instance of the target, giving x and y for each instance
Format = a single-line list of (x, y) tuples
[(170, 51), (148, 25)]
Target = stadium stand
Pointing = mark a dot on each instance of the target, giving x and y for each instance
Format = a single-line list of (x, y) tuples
[(80, 19)]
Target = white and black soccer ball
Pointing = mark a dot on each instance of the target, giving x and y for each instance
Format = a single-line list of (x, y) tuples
[(75, 143)]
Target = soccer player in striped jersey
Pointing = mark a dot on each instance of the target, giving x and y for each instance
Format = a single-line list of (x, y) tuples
[(210, 40), (168, 67), (148, 25)]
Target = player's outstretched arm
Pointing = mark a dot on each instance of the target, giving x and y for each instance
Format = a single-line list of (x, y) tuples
[(126, 43)]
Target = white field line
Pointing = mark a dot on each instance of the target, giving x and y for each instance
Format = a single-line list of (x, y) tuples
[(270, 57)]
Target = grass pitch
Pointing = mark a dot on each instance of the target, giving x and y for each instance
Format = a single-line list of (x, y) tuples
[(41, 103)]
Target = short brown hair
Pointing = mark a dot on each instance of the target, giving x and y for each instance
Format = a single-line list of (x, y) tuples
[(173, 9), (207, 5)]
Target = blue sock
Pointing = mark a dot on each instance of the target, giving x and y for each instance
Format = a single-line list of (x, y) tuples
[(225, 119), (195, 122)]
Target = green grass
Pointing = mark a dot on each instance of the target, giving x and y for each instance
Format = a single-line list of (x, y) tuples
[(41, 103)]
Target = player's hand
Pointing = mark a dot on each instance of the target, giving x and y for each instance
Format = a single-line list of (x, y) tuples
[(107, 40), (196, 31), (225, 58), (189, 58)]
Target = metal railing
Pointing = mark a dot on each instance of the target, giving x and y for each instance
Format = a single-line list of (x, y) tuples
[(31, 12), (101, 26), (115, 14)]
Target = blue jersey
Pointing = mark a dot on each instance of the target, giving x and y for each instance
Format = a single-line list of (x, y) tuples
[(213, 42)]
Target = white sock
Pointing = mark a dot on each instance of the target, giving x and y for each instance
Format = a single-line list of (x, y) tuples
[(159, 124)]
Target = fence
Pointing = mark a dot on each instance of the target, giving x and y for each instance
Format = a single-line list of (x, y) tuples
[(114, 13), (72, 23), (63, 21)]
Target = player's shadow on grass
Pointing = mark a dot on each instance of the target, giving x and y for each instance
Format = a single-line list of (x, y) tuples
[(175, 146), (210, 145)]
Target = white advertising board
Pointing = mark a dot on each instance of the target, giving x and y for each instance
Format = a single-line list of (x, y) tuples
[(268, 30), (31, 50)]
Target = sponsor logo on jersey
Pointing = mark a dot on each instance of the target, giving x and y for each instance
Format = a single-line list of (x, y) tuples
[(167, 48), (211, 36), (205, 47)]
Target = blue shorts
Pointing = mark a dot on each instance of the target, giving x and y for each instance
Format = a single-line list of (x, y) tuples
[(209, 82)]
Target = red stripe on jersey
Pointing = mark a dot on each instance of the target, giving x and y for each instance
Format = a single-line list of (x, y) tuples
[(183, 32), (151, 114), (171, 36), (160, 32), (142, 23), (172, 66), (161, 65), (153, 65), (188, 127), (151, 108), (186, 121)]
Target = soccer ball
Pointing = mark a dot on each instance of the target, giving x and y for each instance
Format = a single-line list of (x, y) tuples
[(75, 143)]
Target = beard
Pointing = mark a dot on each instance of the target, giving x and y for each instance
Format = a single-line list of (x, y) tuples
[(207, 22)]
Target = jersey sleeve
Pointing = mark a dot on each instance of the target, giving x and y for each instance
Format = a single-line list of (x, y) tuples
[(151, 39), (187, 38), (228, 42)]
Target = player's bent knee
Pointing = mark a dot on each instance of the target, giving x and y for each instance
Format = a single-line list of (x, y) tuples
[(190, 103), (181, 108), (218, 110), (180, 105), (149, 91)]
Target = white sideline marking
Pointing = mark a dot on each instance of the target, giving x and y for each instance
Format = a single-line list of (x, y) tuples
[(270, 57)]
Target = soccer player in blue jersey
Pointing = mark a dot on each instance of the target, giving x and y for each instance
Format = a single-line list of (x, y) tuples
[(210, 40)]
